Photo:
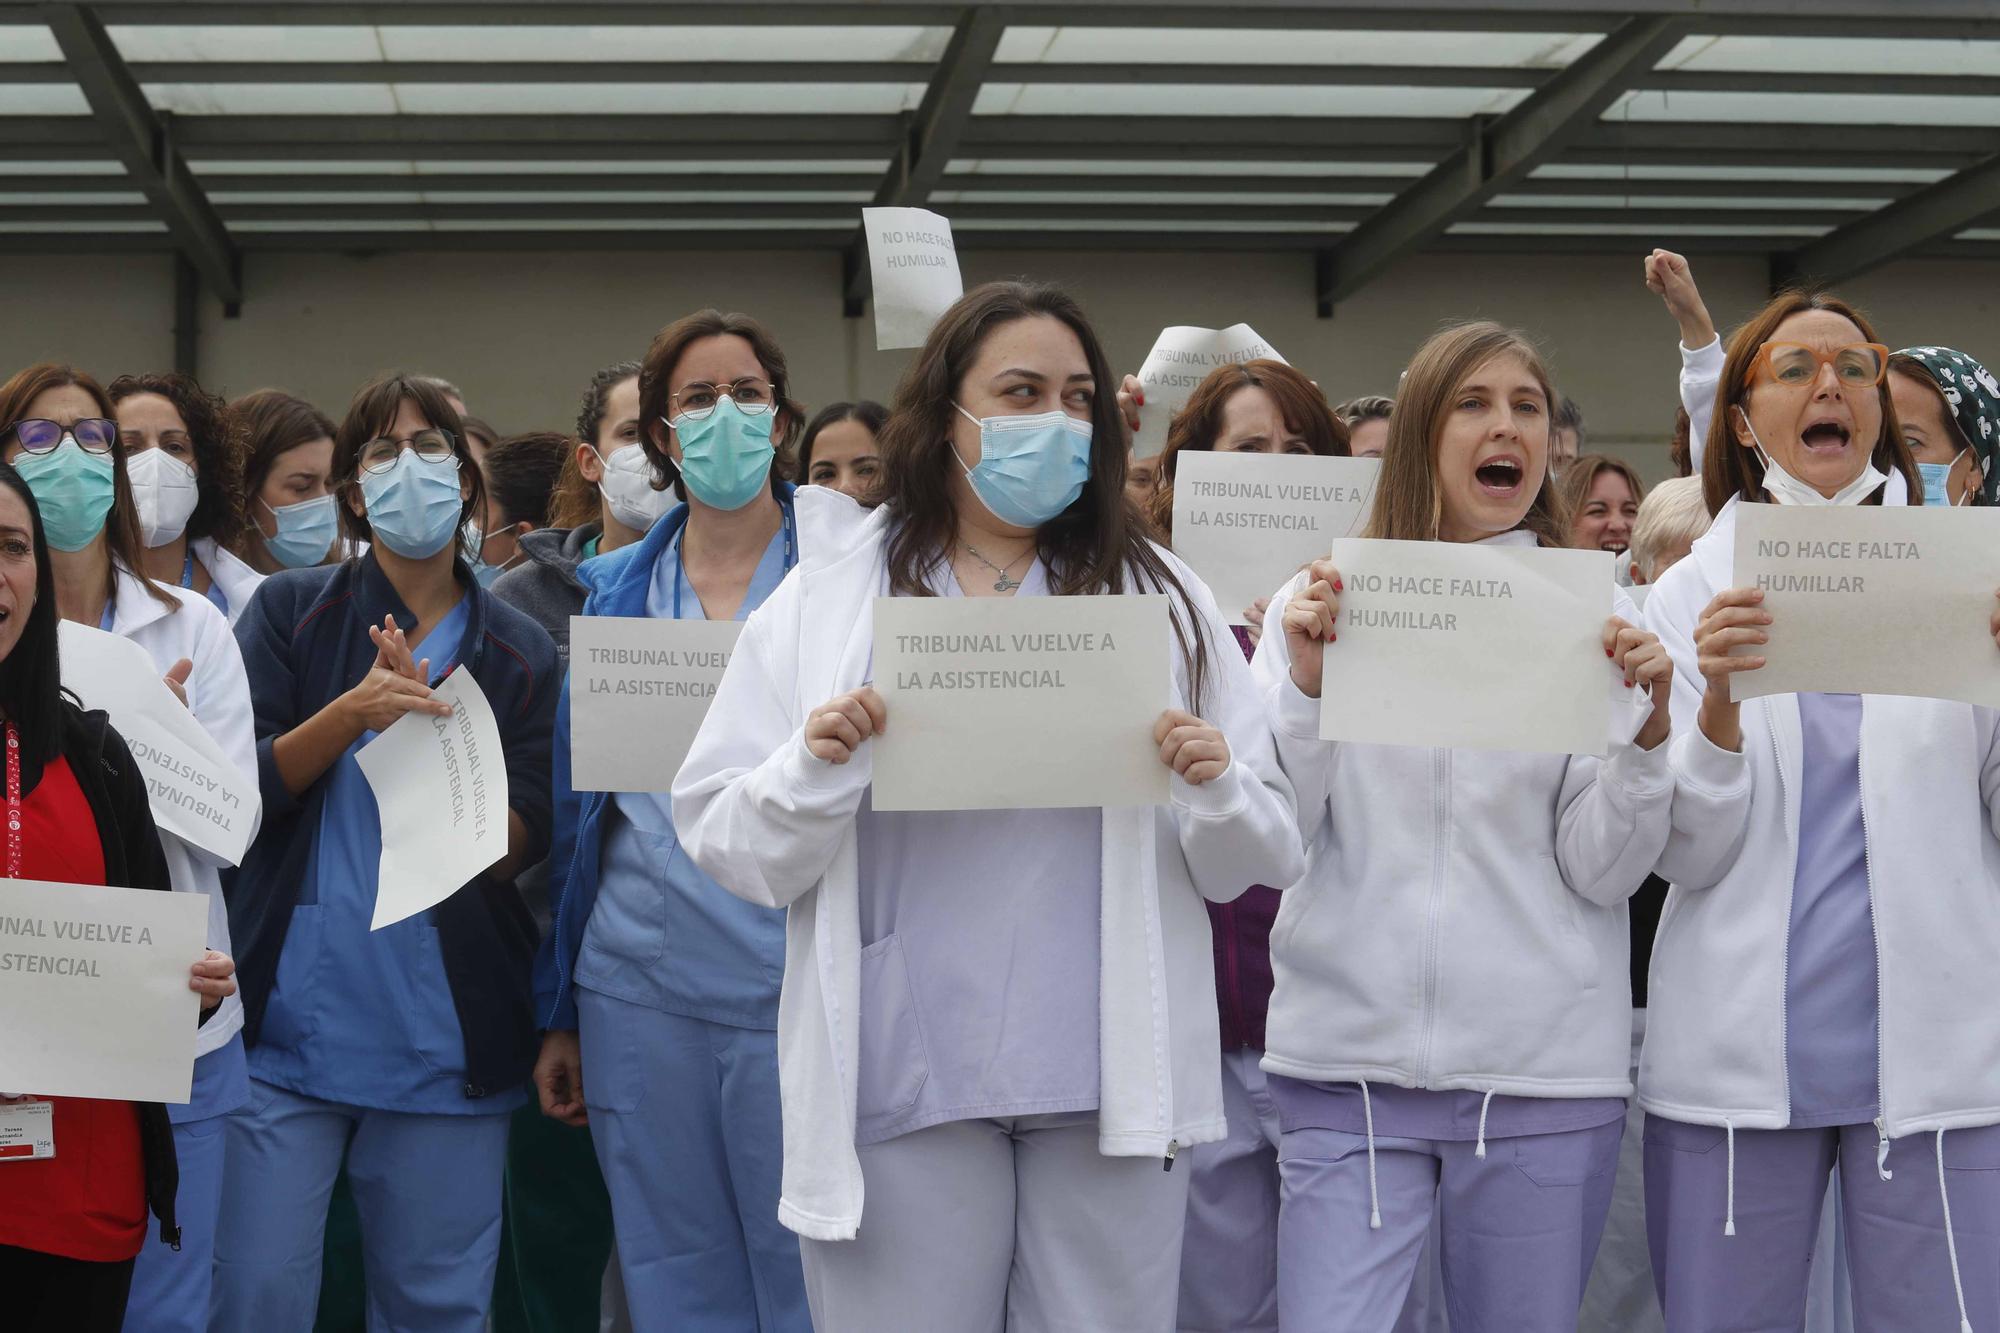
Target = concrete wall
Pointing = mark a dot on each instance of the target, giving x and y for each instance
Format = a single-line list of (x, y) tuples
[(521, 333)]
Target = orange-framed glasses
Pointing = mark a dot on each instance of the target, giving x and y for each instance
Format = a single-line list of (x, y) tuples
[(1795, 365)]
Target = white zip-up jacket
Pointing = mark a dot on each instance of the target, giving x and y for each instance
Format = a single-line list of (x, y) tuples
[(1930, 808), (230, 573), (1462, 921), (776, 825), (218, 694)]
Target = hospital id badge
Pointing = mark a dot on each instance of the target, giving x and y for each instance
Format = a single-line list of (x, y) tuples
[(27, 1131)]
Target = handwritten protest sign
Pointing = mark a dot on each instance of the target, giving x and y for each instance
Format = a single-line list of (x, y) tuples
[(1181, 359), (94, 998), (1246, 522), (1868, 599), (914, 267), (638, 690), (197, 792), (1473, 646), (1020, 703), (441, 786)]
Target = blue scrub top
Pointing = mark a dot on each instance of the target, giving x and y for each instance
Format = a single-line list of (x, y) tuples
[(361, 1017), (675, 940)]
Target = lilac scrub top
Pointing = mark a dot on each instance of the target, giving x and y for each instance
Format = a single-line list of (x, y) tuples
[(979, 959), (1830, 972)]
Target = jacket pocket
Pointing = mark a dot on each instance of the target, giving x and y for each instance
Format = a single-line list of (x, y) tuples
[(290, 1013), (894, 1066)]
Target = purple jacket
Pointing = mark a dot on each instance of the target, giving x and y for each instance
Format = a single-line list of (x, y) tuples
[(1242, 931)]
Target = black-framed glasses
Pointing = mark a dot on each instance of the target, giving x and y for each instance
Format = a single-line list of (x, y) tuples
[(39, 435), (432, 446), (695, 401)]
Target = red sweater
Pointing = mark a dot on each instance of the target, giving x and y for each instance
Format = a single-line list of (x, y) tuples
[(89, 1200)]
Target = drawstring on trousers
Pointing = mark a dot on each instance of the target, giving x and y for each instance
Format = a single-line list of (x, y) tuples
[(1484, 1103)]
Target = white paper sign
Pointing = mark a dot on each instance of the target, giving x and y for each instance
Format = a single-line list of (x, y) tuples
[(915, 270), (441, 786), (638, 690), (1473, 647), (1868, 599), (1181, 359), (197, 792), (94, 998), (1246, 522), (1021, 703)]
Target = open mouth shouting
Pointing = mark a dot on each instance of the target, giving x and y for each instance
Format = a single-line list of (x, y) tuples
[(1500, 476), (1825, 435)]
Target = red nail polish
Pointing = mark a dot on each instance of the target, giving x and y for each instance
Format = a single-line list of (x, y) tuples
[(1338, 586), (1628, 684)]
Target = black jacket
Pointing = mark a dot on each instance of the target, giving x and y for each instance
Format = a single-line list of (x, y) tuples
[(116, 792)]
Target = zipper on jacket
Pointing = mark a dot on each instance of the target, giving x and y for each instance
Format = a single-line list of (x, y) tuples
[(564, 964), (1875, 934), (1440, 830), (1791, 892), (1173, 1147)]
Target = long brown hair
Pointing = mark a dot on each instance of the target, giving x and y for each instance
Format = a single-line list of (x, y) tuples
[(1198, 424), (1727, 468), (1408, 504), (1581, 474), (1097, 545), (655, 373), (121, 525)]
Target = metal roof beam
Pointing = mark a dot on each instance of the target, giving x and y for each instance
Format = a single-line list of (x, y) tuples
[(140, 139), (1935, 213), (932, 138), (1496, 159)]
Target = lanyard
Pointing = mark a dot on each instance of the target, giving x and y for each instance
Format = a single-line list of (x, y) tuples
[(13, 802), (187, 568), (788, 524)]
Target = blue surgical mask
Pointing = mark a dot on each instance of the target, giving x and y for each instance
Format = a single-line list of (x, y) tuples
[(483, 569), (1031, 468), (726, 455), (73, 488), (305, 531), (414, 506), (1937, 478)]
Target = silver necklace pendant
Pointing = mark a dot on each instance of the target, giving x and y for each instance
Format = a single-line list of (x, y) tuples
[(1005, 584)]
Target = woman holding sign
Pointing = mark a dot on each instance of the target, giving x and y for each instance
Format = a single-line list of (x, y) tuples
[(1000, 1024), (657, 990), (1451, 1021), (71, 1224), (403, 1049), (1820, 991), (91, 496)]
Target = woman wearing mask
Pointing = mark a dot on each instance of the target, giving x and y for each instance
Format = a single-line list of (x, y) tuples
[(1229, 1256), (71, 1225), (608, 497), (1949, 406), (402, 1049), (520, 473), (1001, 1023), (1450, 1024), (1602, 497), (186, 484), (191, 646), (839, 449), (1817, 998), (287, 460), (659, 991)]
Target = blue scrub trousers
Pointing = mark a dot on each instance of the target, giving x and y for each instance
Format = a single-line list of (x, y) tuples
[(427, 1188), (170, 1289), (684, 1117)]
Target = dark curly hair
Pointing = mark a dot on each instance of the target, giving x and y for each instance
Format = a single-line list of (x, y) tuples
[(218, 512)]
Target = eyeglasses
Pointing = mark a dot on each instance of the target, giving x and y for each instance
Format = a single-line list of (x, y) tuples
[(93, 435), (432, 446), (1794, 365), (695, 401)]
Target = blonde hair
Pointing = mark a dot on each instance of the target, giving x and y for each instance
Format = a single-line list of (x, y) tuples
[(1408, 503), (1673, 512)]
